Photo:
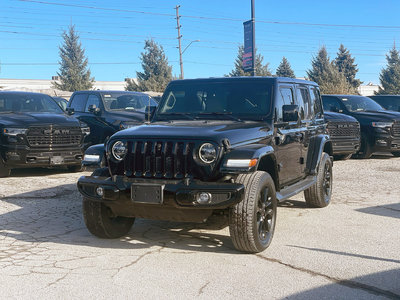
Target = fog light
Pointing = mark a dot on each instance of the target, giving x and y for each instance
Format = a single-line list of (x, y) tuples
[(381, 142), (204, 198), (100, 191)]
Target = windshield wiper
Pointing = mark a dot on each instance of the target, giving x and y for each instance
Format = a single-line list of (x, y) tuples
[(187, 115), (228, 114)]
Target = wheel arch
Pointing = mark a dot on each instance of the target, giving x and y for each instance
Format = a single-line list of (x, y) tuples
[(267, 163), (318, 145)]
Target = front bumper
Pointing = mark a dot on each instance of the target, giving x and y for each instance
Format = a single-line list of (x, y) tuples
[(25, 157), (345, 145), (178, 200), (386, 143)]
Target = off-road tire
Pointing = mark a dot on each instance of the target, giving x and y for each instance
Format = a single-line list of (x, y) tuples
[(252, 221), (100, 221), (319, 195), (397, 154), (365, 150)]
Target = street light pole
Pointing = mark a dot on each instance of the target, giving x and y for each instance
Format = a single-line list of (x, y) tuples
[(253, 20)]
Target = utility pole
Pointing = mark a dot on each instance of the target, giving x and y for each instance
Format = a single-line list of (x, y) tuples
[(253, 20), (178, 26)]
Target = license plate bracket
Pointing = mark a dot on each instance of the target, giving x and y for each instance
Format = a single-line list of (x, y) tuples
[(56, 160), (147, 193)]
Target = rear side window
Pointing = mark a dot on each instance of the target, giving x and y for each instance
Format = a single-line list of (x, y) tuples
[(284, 97), (78, 102), (303, 100), (316, 102)]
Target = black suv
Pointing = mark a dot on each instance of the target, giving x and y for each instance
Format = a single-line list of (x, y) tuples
[(389, 102), (106, 112), (233, 146), (344, 132), (35, 132), (380, 129)]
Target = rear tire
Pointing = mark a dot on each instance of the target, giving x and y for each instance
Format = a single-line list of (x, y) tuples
[(397, 154), (365, 149), (101, 222), (319, 195), (252, 221)]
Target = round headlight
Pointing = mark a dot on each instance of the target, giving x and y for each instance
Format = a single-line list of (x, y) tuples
[(119, 150), (208, 153)]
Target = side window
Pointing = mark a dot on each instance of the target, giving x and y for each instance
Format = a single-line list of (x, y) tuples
[(316, 102), (303, 101), (331, 104), (284, 97), (92, 100), (78, 102)]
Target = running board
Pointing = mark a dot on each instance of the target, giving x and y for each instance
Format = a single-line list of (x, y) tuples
[(296, 188)]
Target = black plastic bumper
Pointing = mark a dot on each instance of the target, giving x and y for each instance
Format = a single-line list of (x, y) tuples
[(174, 193), (345, 145)]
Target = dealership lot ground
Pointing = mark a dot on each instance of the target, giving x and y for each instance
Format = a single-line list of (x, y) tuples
[(351, 249)]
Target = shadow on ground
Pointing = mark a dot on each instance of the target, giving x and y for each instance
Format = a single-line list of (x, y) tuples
[(381, 280), (35, 172), (387, 210), (55, 215)]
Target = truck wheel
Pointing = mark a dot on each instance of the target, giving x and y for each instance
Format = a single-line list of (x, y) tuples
[(397, 154), (252, 221), (365, 149), (102, 223), (319, 195), (4, 172), (74, 169)]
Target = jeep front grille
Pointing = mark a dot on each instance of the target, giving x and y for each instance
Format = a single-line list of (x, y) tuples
[(396, 129), (159, 159), (343, 129), (48, 136)]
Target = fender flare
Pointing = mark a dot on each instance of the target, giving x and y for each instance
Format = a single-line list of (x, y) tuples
[(316, 147), (99, 150)]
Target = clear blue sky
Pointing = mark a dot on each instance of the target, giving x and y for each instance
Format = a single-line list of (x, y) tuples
[(113, 34)]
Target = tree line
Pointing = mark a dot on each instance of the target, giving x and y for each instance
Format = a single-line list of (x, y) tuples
[(337, 76)]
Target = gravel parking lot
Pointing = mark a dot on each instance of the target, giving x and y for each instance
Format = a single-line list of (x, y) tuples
[(348, 250)]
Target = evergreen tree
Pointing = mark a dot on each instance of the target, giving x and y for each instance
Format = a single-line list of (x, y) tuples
[(261, 70), (390, 76), (74, 73), (284, 69), (326, 74), (345, 64), (156, 71)]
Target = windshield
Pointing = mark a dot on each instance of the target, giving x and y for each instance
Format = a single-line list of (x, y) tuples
[(359, 103), (216, 100), (28, 103), (127, 102)]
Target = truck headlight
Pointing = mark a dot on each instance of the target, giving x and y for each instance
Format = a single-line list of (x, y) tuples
[(208, 153), (382, 124), (14, 131), (119, 150)]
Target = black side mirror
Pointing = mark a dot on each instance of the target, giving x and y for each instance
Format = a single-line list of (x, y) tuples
[(70, 110), (94, 109), (290, 113)]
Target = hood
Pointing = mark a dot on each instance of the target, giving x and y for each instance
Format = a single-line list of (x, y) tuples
[(337, 117), (128, 115), (236, 132), (365, 117), (27, 119)]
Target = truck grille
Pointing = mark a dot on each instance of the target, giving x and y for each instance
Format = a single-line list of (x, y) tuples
[(159, 159), (343, 129), (396, 129), (54, 136)]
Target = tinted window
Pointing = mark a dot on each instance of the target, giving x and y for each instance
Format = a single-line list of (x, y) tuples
[(331, 104), (243, 99), (78, 102), (92, 100), (28, 103), (127, 101), (303, 101), (285, 97), (315, 102), (359, 103)]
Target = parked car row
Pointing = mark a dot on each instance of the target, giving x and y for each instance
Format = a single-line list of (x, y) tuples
[(35, 131)]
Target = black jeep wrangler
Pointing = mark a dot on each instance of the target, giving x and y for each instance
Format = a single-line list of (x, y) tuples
[(232, 146)]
